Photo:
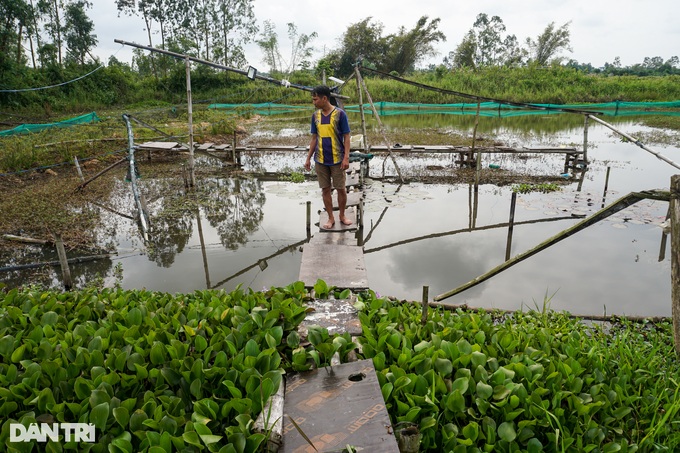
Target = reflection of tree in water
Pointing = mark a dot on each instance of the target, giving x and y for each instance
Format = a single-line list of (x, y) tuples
[(232, 206), (171, 222)]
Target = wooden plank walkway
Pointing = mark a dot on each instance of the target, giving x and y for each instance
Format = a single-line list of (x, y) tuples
[(333, 255)]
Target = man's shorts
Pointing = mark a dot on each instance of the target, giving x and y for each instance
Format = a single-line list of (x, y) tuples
[(326, 173)]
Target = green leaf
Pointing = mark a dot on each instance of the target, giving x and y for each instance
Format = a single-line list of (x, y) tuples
[(471, 431), (321, 289), (251, 349), (99, 415), (134, 317), (506, 431), (622, 412), (484, 391), (18, 354), (534, 446), (443, 366), (122, 416)]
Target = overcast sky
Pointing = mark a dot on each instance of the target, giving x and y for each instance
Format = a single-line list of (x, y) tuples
[(600, 29)]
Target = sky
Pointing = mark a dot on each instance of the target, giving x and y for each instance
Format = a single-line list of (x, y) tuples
[(601, 30)]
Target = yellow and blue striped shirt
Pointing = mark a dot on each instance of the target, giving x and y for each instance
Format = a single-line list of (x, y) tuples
[(329, 130)]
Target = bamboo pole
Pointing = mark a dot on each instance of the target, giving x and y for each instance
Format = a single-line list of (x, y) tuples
[(309, 219), (192, 176), (675, 260), (143, 215), (26, 240), (78, 260), (617, 206), (106, 170), (636, 141), (478, 163), (361, 109), (511, 225), (585, 140), (80, 172), (382, 128)]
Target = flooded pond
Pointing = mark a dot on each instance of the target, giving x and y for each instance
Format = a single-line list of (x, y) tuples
[(251, 231)]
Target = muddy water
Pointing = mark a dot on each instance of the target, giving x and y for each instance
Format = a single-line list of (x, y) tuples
[(250, 233)]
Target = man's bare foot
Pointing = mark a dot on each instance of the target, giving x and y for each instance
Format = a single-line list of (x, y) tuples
[(345, 221), (328, 225)]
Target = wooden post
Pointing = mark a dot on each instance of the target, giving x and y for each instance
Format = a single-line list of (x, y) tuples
[(233, 149), (80, 173), (585, 141), (606, 186), (361, 109), (511, 225), (426, 296), (309, 219), (675, 260), (63, 261), (192, 176), (478, 166)]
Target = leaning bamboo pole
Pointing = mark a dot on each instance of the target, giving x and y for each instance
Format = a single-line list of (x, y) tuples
[(636, 141), (380, 125), (617, 206)]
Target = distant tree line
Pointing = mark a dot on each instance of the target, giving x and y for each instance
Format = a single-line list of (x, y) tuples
[(44, 42)]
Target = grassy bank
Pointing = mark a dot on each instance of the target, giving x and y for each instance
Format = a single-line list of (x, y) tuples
[(190, 372), (117, 86)]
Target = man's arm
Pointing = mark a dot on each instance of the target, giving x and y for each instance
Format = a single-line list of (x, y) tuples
[(345, 158), (312, 147)]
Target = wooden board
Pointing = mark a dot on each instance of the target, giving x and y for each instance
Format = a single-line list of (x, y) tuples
[(161, 146), (342, 266), (329, 238), (353, 199), (350, 213), (337, 406)]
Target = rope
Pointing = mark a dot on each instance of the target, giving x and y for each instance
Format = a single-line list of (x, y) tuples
[(22, 90)]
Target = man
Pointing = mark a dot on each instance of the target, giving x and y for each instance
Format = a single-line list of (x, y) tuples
[(330, 148)]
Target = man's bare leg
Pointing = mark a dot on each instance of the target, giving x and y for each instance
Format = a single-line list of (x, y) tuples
[(342, 205), (328, 204)]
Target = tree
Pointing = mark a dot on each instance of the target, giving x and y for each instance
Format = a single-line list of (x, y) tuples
[(78, 29), (464, 55), (236, 25), (14, 19), (361, 41), (406, 49), (549, 44), (300, 43), (53, 25)]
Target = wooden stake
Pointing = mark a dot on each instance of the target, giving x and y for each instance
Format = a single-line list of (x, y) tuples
[(361, 109), (426, 296), (675, 260), (478, 163), (63, 261), (585, 140), (309, 219)]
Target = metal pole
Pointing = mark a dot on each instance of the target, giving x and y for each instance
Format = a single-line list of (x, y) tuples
[(361, 109)]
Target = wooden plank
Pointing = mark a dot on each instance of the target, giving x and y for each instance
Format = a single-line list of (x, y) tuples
[(330, 238), (222, 147), (205, 146), (342, 266), (161, 146), (353, 199), (337, 406), (350, 213)]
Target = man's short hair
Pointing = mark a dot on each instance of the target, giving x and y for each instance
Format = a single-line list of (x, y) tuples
[(322, 90)]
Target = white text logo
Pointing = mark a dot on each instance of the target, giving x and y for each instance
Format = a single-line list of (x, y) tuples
[(72, 432)]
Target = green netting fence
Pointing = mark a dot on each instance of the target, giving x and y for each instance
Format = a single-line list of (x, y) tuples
[(28, 128), (496, 109)]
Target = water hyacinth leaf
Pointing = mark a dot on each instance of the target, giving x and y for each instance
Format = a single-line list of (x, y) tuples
[(6, 345), (191, 437), (134, 317), (478, 359), (293, 339), (506, 431), (535, 446), (157, 354), (443, 366), (122, 416), (471, 431), (387, 391), (99, 415), (461, 384), (251, 349), (18, 354), (49, 318)]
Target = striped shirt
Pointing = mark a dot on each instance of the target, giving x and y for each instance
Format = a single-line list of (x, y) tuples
[(329, 130)]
